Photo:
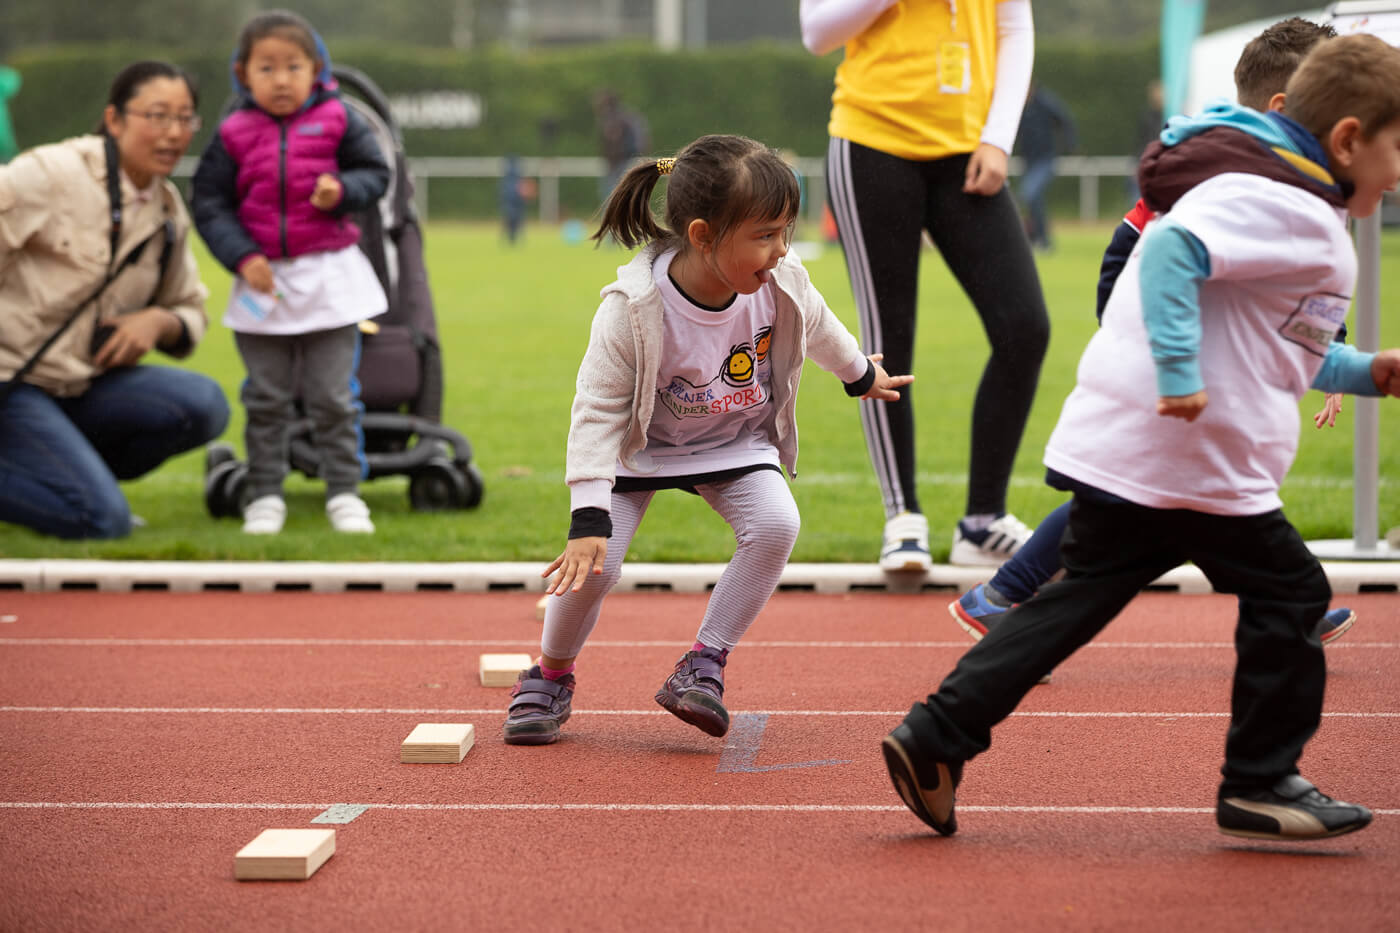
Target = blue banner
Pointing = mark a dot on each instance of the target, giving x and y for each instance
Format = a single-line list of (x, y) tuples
[(1181, 24)]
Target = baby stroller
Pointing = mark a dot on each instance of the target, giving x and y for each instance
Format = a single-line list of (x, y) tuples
[(400, 371)]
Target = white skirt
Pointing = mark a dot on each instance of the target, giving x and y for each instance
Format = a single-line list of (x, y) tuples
[(316, 291)]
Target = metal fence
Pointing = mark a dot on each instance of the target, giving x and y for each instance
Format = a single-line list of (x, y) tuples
[(548, 171)]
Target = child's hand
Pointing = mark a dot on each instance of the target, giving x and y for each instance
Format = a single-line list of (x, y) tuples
[(257, 272), (581, 556), (1330, 409), (327, 193), (884, 385), (1182, 406), (1385, 371)]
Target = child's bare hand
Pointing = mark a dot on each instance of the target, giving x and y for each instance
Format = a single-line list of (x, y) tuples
[(1385, 371), (1182, 406), (1330, 410), (327, 193), (884, 386), (257, 272), (581, 557)]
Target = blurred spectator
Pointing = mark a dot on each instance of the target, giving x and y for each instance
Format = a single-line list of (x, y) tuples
[(1047, 129), (9, 87), (1149, 124), (622, 134), (516, 192), (98, 271)]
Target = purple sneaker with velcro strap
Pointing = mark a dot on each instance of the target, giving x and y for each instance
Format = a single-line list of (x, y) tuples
[(693, 692), (538, 707)]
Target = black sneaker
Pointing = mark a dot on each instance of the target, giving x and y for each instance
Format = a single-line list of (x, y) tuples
[(695, 692), (538, 707), (926, 787), (1292, 809)]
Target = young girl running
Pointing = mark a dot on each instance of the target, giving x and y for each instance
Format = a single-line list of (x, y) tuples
[(690, 382), (270, 196)]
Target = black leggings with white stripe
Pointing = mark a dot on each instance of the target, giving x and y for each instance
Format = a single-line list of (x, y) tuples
[(882, 204)]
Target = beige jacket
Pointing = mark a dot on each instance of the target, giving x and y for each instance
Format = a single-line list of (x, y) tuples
[(55, 229)]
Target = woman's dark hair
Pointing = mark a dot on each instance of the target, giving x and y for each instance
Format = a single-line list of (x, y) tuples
[(284, 24), (129, 81), (722, 180)]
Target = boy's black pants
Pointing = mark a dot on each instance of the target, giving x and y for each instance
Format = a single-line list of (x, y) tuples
[(1110, 552)]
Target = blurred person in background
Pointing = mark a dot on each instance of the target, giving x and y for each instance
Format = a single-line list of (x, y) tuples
[(96, 270), (623, 136), (927, 103), (272, 197), (1047, 129)]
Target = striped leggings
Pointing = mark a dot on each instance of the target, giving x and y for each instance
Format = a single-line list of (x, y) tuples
[(758, 506), (882, 205)]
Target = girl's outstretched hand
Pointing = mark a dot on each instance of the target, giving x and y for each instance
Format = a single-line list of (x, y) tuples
[(884, 385), (581, 556)]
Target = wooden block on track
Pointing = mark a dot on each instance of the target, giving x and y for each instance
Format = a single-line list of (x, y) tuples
[(501, 670), (440, 743), (540, 606), (284, 855)]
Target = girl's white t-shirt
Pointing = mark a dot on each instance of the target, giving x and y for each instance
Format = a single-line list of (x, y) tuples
[(1282, 270), (714, 407), (315, 291)]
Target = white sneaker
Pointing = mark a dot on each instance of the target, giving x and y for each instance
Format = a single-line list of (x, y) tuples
[(905, 548), (990, 547), (264, 516), (348, 513)]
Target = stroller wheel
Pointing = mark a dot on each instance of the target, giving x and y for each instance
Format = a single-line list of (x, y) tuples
[(223, 489), (437, 485), (476, 486)]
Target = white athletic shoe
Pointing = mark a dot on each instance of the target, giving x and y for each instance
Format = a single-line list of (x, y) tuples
[(264, 516), (905, 548), (348, 513), (990, 547)]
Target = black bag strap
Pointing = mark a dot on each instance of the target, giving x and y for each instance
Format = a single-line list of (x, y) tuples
[(114, 197)]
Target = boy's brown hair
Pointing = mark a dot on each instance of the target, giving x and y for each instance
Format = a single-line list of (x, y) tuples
[(1351, 76), (1271, 57)]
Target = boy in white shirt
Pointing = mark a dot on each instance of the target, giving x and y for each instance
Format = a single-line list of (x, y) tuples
[(1231, 299)]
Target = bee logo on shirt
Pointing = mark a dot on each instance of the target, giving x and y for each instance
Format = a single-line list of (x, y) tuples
[(761, 342), (739, 367)]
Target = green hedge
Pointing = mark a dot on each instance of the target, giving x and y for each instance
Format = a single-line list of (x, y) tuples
[(775, 92)]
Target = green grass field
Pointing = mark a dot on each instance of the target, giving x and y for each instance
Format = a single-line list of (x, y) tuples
[(514, 323)]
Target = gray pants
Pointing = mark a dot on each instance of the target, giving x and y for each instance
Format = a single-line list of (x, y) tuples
[(758, 506), (319, 369)]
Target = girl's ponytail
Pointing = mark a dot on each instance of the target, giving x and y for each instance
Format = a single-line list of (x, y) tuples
[(627, 215)]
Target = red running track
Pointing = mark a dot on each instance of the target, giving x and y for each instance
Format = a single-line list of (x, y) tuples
[(148, 736)]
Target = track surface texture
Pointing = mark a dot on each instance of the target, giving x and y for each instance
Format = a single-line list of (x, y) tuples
[(148, 736)]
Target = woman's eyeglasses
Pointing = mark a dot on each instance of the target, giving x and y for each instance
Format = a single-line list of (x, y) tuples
[(163, 121)]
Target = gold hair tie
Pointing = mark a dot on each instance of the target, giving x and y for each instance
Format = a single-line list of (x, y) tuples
[(665, 166)]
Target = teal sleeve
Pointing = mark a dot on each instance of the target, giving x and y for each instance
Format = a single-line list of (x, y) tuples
[(1346, 369), (1174, 264)]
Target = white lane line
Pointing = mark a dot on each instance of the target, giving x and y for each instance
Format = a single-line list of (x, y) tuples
[(498, 711), (497, 642), (609, 807)]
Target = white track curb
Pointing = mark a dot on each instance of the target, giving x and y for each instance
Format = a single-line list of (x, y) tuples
[(254, 577)]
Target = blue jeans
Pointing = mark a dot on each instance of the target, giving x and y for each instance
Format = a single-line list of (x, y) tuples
[(1035, 182), (61, 458)]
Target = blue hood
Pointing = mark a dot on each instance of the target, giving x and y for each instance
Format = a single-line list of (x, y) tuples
[(1272, 129)]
